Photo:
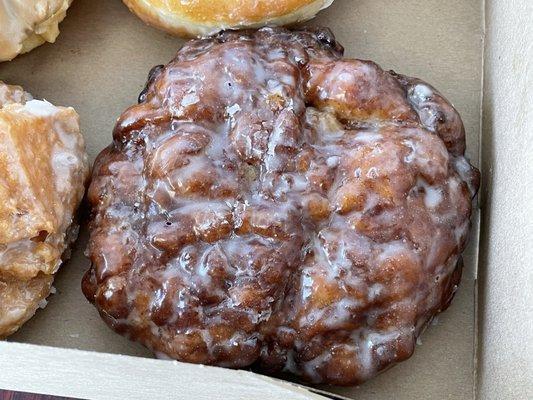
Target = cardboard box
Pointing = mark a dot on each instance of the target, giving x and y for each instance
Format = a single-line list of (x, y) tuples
[(479, 55)]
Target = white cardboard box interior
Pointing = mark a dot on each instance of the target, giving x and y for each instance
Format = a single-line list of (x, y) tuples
[(99, 65)]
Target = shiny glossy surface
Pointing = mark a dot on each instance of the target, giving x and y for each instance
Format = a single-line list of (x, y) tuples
[(43, 171), (203, 18), (269, 203)]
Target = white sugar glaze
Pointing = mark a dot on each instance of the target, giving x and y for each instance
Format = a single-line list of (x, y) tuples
[(306, 215)]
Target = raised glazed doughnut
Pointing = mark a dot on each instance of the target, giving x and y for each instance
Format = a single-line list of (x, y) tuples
[(272, 204), (206, 17)]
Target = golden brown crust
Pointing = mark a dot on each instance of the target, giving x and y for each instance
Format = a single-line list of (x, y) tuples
[(26, 184), (43, 169), (20, 299), (205, 17), (231, 11)]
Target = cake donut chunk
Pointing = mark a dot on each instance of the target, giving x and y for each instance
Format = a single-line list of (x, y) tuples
[(269, 203), (44, 169)]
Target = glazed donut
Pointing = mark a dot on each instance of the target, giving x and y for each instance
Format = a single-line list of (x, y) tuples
[(44, 169), (206, 17), (26, 24), (271, 204)]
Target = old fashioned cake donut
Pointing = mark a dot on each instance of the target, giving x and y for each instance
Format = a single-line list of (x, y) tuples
[(44, 169)]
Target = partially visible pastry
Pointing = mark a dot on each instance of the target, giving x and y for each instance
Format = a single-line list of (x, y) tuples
[(206, 17), (43, 171), (20, 299), (26, 24)]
